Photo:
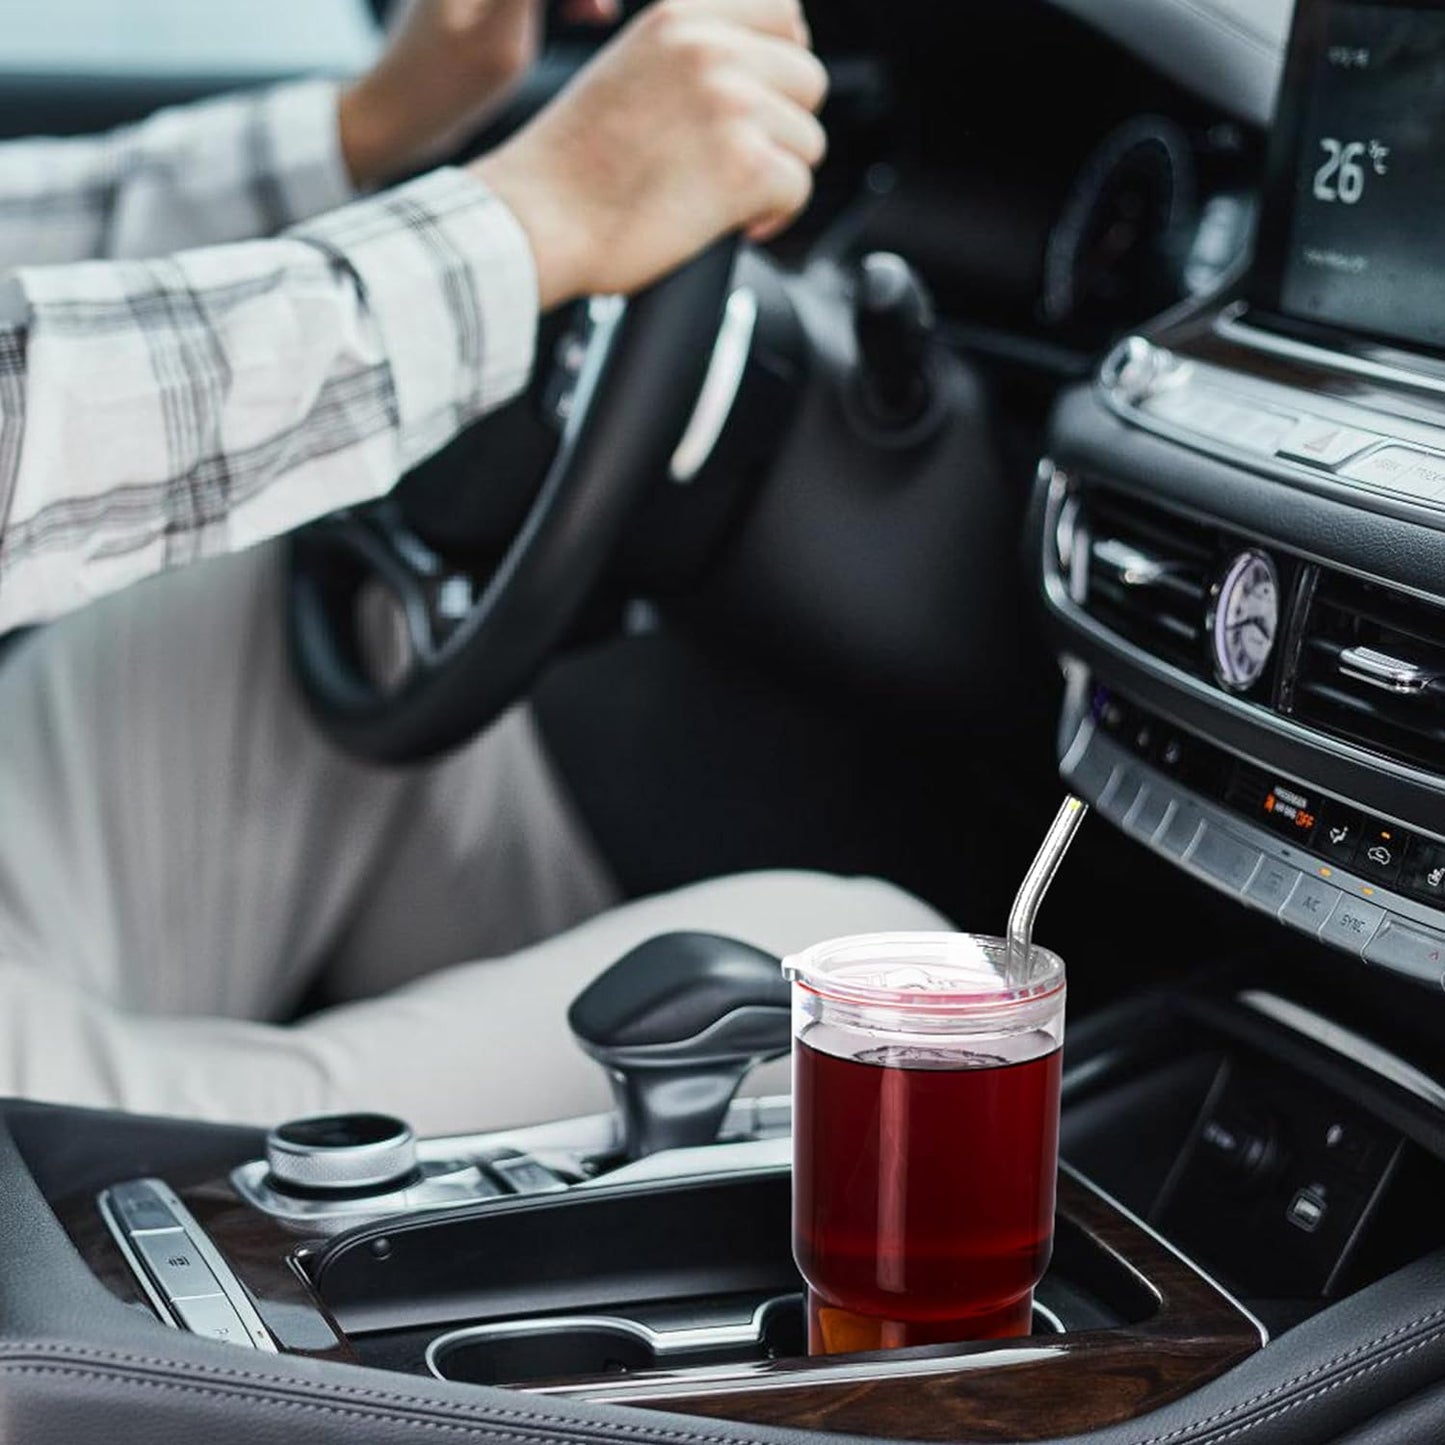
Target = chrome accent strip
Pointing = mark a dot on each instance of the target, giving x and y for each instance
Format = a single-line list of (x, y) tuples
[(559, 1144), (719, 389), (1390, 674), (328, 1166), (1028, 1350), (200, 1241), (1346, 1043), (1229, 325), (661, 1342), (1132, 567)]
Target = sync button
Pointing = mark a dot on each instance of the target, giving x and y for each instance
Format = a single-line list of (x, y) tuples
[(1352, 925)]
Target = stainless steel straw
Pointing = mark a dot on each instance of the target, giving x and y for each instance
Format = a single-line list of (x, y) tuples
[(1017, 965)]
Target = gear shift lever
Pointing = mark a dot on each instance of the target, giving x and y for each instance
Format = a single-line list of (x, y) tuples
[(677, 1023)]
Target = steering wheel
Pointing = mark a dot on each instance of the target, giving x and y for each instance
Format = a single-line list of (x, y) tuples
[(460, 660)]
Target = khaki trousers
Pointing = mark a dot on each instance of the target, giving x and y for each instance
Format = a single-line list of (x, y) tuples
[(183, 856)]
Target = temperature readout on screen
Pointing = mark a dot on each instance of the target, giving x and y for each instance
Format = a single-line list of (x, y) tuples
[(1369, 200)]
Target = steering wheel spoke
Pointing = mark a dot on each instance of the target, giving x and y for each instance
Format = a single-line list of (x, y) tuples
[(404, 654)]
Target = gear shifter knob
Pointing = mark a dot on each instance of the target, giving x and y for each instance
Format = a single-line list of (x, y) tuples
[(677, 1023)]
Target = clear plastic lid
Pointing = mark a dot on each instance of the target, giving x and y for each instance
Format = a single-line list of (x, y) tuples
[(929, 980)]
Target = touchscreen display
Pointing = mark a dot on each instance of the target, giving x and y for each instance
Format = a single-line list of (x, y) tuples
[(1365, 247)]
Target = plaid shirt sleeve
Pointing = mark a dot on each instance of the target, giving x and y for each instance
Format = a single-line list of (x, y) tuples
[(154, 412), (227, 169)]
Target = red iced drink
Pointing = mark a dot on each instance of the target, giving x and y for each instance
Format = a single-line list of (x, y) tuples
[(925, 1120)]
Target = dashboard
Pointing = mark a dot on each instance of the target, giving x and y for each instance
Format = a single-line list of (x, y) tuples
[(1241, 525)]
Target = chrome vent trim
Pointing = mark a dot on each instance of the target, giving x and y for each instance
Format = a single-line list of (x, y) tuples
[(1372, 669), (1146, 574)]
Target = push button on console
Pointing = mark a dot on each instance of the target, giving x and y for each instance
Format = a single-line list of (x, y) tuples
[(140, 1208), (1352, 924), (1379, 851), (212, 1317), (1310, 904), (1338, 833), (1413, 951), (176, 1265), (1147, 815), (1423, 873), (1272, 885), (1223, 858), (1323, 443)]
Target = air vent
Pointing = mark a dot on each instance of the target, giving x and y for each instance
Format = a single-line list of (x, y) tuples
[(1372, 670), (1148, 576)]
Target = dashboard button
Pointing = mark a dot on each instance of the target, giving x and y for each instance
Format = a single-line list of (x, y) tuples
[(1272, 884), (1404, 949), (526, 1175), (1180, 830), (1090, 775), (1310, 904), (1204, 409), (212, 1317), (1121, 794), (1423, 873), (1147, 815), (1338, 833), (1380, 850), (1223, 858), (1352, 924), (1400, 469), (1426, 479), (1383, 468), (1323, 443), (178, 1268), (139, 1207)]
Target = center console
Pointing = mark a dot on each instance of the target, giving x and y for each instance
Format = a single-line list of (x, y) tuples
[(639, 1258), (1237, 1174)]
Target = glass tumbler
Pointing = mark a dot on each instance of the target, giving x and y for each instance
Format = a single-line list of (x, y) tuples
[(926, 1132)]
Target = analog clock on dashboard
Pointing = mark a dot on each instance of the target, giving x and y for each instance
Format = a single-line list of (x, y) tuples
[(1246, 620)]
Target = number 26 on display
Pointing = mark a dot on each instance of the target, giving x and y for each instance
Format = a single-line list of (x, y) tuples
[(1342, 176)]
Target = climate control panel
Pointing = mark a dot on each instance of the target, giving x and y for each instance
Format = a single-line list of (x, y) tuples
[(1358, 883)]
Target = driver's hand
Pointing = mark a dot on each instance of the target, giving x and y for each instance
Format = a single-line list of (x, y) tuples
[(447, 65), (697, 119)]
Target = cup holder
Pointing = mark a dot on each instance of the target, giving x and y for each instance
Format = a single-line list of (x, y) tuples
[(569, 1347), (573, 1347)]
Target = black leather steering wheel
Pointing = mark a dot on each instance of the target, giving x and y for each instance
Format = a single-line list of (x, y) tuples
[(469, 658)]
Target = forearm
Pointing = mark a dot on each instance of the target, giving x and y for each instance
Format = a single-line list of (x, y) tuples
[(156, 412), (228, 169)]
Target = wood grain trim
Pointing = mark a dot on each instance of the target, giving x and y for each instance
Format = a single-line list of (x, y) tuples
[(1027, 1389)]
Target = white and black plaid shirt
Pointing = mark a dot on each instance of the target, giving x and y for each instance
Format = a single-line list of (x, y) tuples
[(170, 388)]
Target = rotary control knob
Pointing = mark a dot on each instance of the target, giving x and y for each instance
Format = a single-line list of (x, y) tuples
[(341, 1154)]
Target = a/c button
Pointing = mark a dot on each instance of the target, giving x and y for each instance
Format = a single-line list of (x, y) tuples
[(1310, 904)]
